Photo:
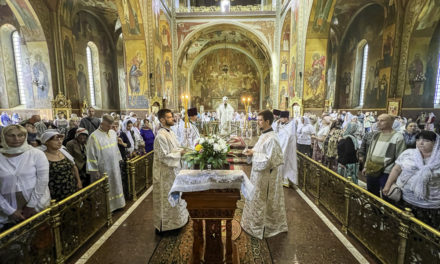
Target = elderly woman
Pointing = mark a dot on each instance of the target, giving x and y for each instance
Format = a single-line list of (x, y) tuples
[(347, 147), (417, 173), (410, 134), (318, 148), (63, 174), (305, 131), (24, 175)]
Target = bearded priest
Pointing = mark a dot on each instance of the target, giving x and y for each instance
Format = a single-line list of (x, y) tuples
[(166, 165), (265, 215), (225, 113)]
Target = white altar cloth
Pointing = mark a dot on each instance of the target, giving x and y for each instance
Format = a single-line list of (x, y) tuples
[(203, 180)]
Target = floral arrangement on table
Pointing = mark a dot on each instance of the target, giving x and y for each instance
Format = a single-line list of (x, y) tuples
[(420, 77), (208, 150)]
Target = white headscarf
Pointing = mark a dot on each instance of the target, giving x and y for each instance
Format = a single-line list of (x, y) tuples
[(424, 174), (128, 133), (14, 150)]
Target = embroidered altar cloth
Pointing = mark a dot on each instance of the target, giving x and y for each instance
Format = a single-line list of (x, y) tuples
[(203, 180)]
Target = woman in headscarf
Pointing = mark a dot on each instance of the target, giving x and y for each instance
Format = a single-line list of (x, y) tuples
[(331, 145), (24, 177), (417, 173), (127, 135), (64, 177), (305, 131), (318, 146), (347, 147)]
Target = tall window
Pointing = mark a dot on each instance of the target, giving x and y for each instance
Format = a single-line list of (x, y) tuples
[(90, 73), (437, 85), (18, 67), (363, 74)]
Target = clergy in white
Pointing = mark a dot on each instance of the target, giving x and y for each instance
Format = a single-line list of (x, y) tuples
[(275, 123), (287, 135), (265, 215), (166, 165), (177, 127), (103, 156), (191, 133), (225, 114)]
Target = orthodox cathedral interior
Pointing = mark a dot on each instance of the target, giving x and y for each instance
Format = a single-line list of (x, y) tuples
[(133, 55)]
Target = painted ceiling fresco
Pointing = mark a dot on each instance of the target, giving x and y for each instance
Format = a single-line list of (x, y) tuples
[(203, 40)]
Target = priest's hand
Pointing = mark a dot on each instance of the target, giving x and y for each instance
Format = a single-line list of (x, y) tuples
[(28, 212), (248, 152)]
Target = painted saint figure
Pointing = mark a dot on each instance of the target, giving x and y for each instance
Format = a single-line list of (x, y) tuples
[(82, 81), (41, 79), (135, 73)]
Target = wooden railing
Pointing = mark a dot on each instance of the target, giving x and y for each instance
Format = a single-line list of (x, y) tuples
[(53, 235), (391, 234), (140, 174)]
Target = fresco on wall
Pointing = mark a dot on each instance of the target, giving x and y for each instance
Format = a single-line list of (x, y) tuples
[(136, 74), (284, 62), (183, 29), (210, 82), (367, 27), (266, 28), (131, 21), (86, 28), (292, 91), (320, 17), (68, 57), (66, 12), (41, 79), (423, 59), (30, 26), (314, 73)]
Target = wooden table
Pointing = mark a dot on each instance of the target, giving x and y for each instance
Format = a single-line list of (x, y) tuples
[(207, 209)]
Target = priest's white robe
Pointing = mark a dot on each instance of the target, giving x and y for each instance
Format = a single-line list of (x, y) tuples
[(166, 165), (265, 214), (103, 155), (225, 115), (287, 137), (189, 135), (177, 129)]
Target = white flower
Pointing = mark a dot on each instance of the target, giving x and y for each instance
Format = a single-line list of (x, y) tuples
[(211, 141), (217, 147), (201, 140)]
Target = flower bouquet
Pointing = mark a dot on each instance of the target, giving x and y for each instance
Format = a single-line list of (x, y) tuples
[(210, 150)]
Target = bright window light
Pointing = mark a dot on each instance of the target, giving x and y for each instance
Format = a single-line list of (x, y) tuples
[(364, 74), (90, 73), (18, 67)]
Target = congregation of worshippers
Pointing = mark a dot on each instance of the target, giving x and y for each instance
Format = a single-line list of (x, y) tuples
[(43, 160)]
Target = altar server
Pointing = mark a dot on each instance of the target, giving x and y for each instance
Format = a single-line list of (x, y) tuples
[(191, 133), (166, 165), (103, 156), (265, 215), (287, 136)]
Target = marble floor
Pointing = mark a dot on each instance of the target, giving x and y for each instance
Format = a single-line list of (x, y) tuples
[(309, 240)]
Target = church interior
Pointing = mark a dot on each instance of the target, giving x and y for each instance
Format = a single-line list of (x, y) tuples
[(137, 56)]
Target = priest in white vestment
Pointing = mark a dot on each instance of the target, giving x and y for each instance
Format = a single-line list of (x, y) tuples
[(225, 114), (265, 215), (191, 133), (177, 127), (287, 136), (103, 156), (166, 165)]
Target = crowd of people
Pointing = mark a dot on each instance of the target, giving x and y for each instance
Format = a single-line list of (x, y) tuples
[(50, 160)]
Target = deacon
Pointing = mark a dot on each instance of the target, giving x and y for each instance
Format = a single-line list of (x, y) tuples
[(276, 114), (191, 133), (166, 165), (103, 156), (265, 215), (225, 113), (287, 136)]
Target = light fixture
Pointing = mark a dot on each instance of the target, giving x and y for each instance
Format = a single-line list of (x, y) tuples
[(225, 4)]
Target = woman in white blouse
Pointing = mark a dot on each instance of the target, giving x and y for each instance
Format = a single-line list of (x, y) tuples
[(305, 131), (24, 177)]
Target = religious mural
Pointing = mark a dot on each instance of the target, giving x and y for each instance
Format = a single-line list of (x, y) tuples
[(284, 63), (366, 28), (225, 72), (86, 28), (183, 29), (293, 89), (423, 59), (266, 28), (314, 74)]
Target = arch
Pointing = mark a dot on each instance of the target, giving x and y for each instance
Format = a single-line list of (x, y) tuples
[(214, 26)]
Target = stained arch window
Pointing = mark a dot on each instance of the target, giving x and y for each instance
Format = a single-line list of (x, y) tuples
[(363, 75), (93, 73), (16, 44)]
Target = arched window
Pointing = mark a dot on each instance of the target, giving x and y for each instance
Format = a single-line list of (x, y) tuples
[(16, 44), (437, 86), (363, 75), (90, 73)]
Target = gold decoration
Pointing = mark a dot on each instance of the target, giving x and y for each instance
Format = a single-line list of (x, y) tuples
[(61, 105)]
